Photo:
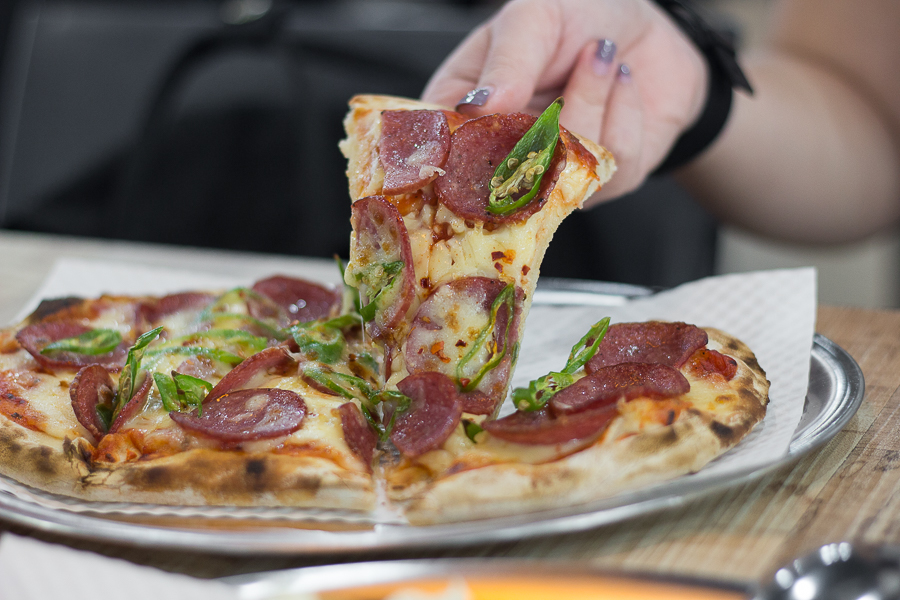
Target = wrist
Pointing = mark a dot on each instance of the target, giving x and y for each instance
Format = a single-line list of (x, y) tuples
[(722, 75)]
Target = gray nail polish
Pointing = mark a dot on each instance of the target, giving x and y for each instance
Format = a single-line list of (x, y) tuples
[(606, 52), (476, 97)]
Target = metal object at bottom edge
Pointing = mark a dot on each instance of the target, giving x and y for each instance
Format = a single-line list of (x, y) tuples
[(835, 392)]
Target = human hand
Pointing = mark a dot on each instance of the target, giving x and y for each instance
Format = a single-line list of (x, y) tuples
[(630, 78)]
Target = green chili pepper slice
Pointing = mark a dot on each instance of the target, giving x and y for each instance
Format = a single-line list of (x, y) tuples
[(380, 282), (181, 391), (400, 404), (324, 341), (91, 343), (526, 164), (471, 429), (130, 370), (168, 392), (230, 320), (154, 356), (193, 389), (243, 341), (506, 297), (539, 391)]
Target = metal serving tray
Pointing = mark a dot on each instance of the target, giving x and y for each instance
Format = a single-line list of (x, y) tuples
[(835, 392)]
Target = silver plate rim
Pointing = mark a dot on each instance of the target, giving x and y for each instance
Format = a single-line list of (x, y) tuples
[(847, 389)]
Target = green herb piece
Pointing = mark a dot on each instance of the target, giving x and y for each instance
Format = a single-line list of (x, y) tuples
[(471, 428), (539, 391), (524, 167), (381, 286), (129, 374), (485, 336), (92, 343)]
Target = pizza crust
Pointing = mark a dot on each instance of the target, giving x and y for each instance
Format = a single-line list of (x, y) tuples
[(199, 477), (606, 468)]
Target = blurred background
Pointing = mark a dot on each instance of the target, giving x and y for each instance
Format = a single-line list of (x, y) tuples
[(215, 123)]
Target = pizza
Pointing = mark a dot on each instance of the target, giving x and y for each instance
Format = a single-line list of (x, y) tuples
[(393, 389)]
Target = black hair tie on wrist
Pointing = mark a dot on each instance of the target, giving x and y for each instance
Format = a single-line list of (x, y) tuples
[(724, 76)]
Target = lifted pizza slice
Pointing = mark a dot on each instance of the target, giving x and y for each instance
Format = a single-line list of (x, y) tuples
[(451, 219)]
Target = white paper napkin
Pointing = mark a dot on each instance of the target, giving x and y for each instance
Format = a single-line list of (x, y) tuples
[(34, 570), (773, 312)]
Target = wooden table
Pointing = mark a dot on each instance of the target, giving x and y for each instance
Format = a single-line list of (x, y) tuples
[(846, 491)]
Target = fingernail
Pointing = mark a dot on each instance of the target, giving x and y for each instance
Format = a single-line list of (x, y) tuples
[(476, 97), (624, 72), (606, 52)]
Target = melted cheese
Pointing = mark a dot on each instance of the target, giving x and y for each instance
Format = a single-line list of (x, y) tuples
[(50, 395), (119, 316)]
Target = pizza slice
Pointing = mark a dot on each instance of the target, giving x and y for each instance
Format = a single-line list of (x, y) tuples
[(196, 398), (451, 219)]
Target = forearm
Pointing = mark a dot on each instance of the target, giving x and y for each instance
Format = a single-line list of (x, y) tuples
[(808, 158)]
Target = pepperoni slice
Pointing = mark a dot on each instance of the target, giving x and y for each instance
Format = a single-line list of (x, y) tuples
[(542, 427), (705, 361), (35, 337), (382, 245), (155, 310), (479, 403), (651, 342), (246, 415), (414, 146), (134, 404), (91, 387), (626, 381), (357, 433), (303, 300), (254, 370), (447, 324), (476, 149), (432, 416)]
